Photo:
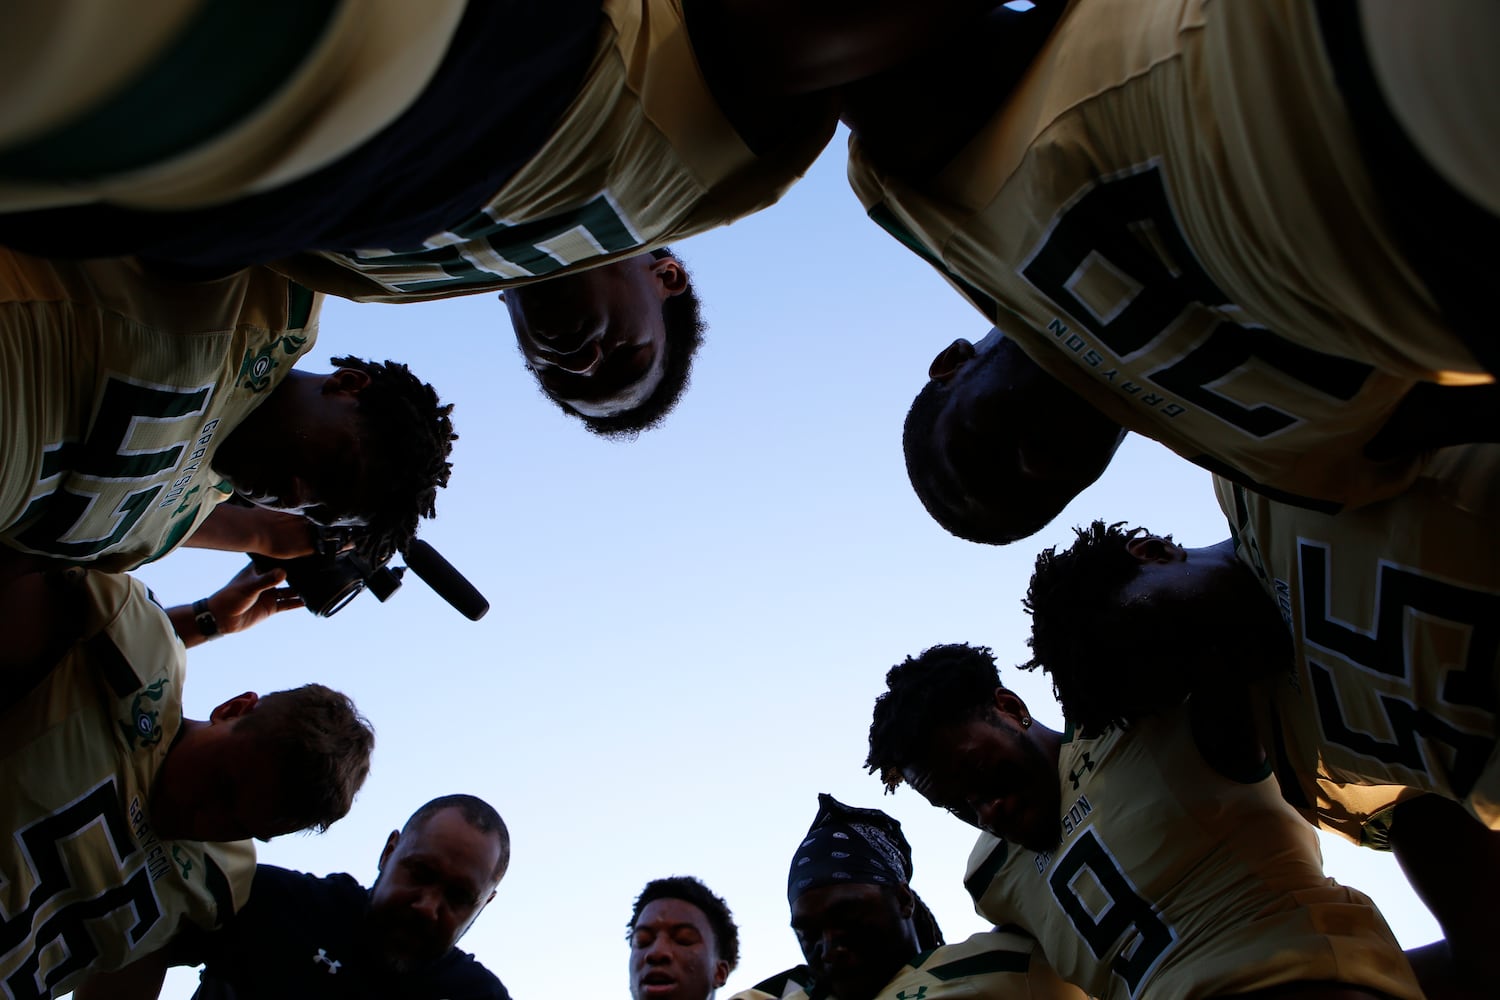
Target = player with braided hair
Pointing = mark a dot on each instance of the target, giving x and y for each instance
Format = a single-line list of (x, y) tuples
[(1363, 643), (415, 431), (134, 403), (1153, 860)]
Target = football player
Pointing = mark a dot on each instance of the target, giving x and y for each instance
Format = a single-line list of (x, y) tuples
[(125, 820), (988, 470), (426, 153), (1370, 638), (1153, 860), (867, 936), (1174, 212), (130, 397), (612, 345), (683, 941), (301, 936)]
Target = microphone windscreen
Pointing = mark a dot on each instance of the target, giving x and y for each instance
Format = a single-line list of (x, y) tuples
[(439, 574)]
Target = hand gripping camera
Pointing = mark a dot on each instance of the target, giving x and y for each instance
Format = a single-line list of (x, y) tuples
[(330, 578)]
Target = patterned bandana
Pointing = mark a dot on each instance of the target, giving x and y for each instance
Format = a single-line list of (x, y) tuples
[(851, 846)]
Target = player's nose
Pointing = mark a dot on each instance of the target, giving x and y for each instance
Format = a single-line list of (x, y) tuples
[(990, 813)]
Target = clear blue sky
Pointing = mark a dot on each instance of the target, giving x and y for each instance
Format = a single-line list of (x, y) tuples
[(688, 631)]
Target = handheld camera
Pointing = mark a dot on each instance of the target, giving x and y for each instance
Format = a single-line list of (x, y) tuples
[(330, 578)]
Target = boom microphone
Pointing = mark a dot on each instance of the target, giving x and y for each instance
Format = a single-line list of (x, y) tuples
[(439, 574)]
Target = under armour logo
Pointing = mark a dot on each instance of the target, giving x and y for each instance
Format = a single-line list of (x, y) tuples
[(332, 963), (921, 992), (1086, 767)]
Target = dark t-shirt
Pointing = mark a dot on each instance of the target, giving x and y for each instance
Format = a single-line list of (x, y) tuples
[(298, 938)]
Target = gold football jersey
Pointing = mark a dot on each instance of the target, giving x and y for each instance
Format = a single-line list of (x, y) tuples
[(1170, 216), (85, 885), (642, 157), (75, 74), (998, 964), (118, 387), (1394, 610), (1171, 881)]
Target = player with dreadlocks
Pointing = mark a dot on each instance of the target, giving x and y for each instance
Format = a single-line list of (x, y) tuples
[(1148, 860), (128, 399), (415, 435), (1363, 643)]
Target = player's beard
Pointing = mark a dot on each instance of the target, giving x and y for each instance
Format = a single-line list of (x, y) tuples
[(402, 942), (1046, 833)]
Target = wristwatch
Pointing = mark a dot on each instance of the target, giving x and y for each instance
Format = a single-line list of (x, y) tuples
[(208, 625)]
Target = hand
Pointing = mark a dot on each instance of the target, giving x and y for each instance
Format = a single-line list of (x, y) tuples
[(250, 598)]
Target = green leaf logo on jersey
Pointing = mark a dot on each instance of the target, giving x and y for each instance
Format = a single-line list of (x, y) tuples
[(145, 731), (256, 369), (183, 861), (921, 992), (186, 501), (292, 343)]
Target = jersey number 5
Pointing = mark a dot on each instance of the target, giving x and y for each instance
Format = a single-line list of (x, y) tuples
[(1403, 595), (63, 931)]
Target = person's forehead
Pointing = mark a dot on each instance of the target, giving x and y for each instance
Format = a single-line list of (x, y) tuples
[(667, 913), (945, 744), (449, 842), (834, 900)]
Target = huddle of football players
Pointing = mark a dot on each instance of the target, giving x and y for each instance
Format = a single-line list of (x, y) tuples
[(1258, 233)]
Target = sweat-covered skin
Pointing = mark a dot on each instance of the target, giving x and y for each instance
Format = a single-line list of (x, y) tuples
[(683, 941)]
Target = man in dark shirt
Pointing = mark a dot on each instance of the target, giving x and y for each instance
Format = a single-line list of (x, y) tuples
[(301, 936)]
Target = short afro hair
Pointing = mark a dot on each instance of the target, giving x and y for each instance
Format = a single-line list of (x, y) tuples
[(952, 505), (1077, 624), (476, 812), (942, 686), (682, 316), (692, 890), (916, 445), (412, 432)]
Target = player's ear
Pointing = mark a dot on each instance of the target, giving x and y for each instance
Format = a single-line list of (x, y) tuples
[(721, 973), (950, 359), (671, 274), (1010, 705), (346, 380), (234, 708), (390, 847), (1154, 549)]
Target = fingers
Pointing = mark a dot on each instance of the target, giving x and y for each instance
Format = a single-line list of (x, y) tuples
[(288, 599), (250, 582)]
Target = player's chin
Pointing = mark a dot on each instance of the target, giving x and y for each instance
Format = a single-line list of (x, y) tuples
[(1040, 831)]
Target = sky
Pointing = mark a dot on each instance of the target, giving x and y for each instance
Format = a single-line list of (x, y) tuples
[(687, 631)]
